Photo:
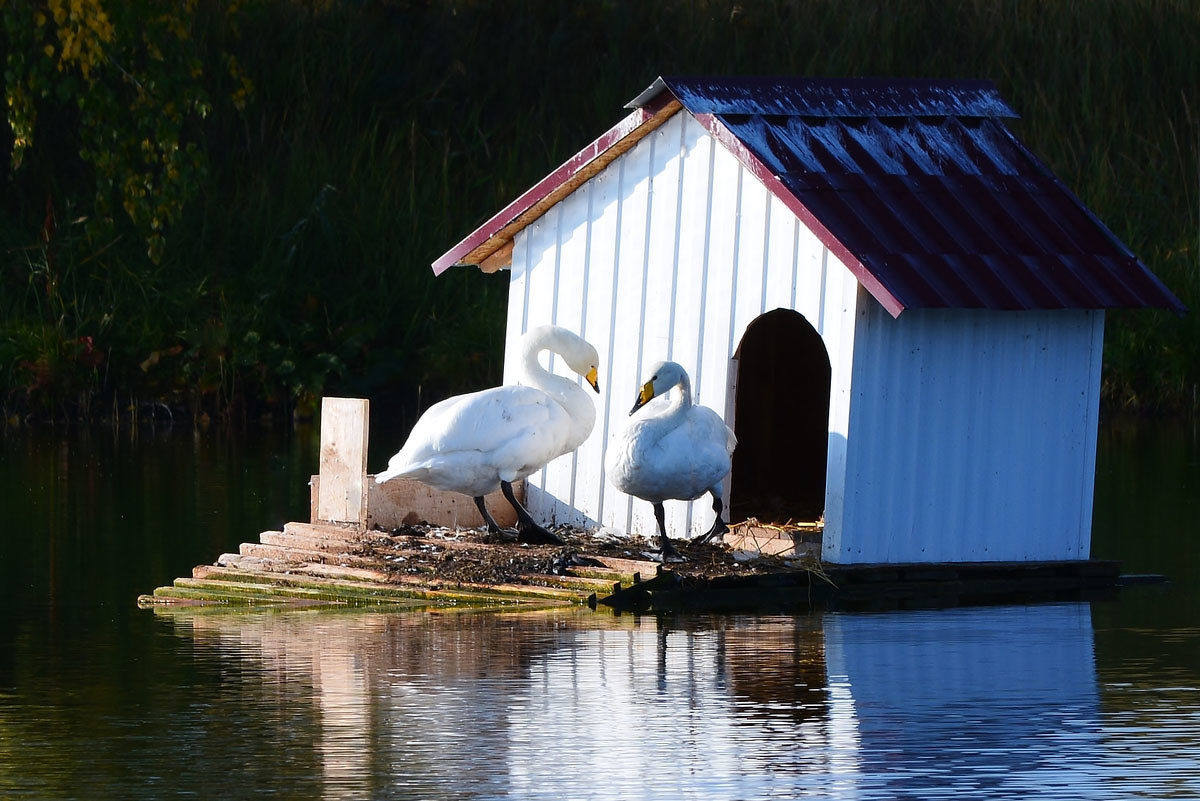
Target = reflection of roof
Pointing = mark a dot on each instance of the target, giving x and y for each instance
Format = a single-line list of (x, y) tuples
[(918, 186)]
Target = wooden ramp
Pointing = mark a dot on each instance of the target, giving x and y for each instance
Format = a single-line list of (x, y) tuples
[(309, 564)]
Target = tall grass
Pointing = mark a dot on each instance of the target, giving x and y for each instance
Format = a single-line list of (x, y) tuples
[(379, 133)]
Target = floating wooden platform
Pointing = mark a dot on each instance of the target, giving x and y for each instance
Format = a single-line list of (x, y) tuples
[(308, 564)]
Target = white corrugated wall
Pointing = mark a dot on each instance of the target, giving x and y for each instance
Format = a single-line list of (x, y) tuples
[(668, 253), (972, 437)]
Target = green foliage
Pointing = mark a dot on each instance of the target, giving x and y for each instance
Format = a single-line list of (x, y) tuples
[(239, 203)]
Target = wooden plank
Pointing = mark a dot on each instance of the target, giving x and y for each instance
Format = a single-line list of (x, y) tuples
[(343, 488), (345, 534), (498, 260), (597, 329), (633, 193), (405, 502), (401, 587)]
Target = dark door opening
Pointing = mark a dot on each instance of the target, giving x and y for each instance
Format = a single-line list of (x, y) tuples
[(781, 418)]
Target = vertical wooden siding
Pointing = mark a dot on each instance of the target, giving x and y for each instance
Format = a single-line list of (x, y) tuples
[(668, 253), (972, 437)]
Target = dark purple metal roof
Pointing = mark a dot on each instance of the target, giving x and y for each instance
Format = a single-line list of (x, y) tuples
[(916, 185), (922, 184)]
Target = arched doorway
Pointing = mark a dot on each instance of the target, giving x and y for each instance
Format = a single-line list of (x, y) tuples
[(781, 418)]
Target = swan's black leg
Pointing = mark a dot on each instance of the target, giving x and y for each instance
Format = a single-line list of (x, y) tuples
[(492, 526), (719, 528), (665, 547), (528, 530)]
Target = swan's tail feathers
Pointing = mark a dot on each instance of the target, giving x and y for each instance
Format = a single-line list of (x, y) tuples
[(386, 475)]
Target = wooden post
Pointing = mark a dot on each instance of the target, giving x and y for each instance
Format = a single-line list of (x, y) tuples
[(342, 492)]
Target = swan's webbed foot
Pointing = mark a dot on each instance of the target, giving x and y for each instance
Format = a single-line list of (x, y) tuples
[(666, 551), (666, 554), (531, 533), (718, 530), (528, 530), (495, 533)]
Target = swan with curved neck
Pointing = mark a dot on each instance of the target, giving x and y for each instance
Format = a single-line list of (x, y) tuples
[(674, 451), (485, 440)]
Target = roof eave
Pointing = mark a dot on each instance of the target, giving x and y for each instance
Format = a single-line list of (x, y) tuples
[(490, 245)]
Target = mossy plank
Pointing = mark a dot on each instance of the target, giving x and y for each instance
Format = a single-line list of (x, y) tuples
[(274, 558), (408, 587), (569, 582)]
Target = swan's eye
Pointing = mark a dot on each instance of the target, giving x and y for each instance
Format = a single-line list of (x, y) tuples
[(654, 379)]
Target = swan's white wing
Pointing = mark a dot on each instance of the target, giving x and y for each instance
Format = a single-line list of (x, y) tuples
[(481, 421), (469, 442)]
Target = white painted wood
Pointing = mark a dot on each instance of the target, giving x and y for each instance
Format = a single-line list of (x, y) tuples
[(518, 303), (570, 280), (662, 264), (599, 301), (633, 200), (838, 334), (751, 268), (781, 259), (342, 493), (1091, 405)]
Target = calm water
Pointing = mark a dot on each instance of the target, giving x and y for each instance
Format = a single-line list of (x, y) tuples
[(101, 700)]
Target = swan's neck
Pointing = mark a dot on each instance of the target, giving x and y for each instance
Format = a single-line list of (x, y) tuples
[(680, 402), (566, 392)]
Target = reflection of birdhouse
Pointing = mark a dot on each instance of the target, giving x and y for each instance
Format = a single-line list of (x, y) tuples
[(895, 305)]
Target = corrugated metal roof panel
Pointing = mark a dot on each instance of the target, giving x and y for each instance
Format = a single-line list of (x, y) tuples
[(945, 212)]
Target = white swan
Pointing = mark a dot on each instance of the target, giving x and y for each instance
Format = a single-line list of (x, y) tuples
[(475, 443), (678, 451)]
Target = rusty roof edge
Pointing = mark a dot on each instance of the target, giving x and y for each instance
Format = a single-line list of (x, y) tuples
[(639, 122), (713, 124)]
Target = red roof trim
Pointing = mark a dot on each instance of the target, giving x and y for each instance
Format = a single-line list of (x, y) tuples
[(542, 189), (775, 186)]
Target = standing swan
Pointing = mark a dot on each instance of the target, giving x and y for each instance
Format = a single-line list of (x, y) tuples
[(477, 442), (678, 451)]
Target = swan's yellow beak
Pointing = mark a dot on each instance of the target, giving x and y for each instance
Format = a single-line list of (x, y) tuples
[(644, 396), (591, 379)]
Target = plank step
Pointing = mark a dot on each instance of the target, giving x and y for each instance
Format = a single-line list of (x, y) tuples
[(259, 566), (306, 543), (293, 556), (329, 531), (409, 587)]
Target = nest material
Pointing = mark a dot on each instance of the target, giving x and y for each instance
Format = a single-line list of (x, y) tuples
[(475, 556)]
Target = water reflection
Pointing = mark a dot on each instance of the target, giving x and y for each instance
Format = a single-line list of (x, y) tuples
[(983, 703), (101, 700)]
